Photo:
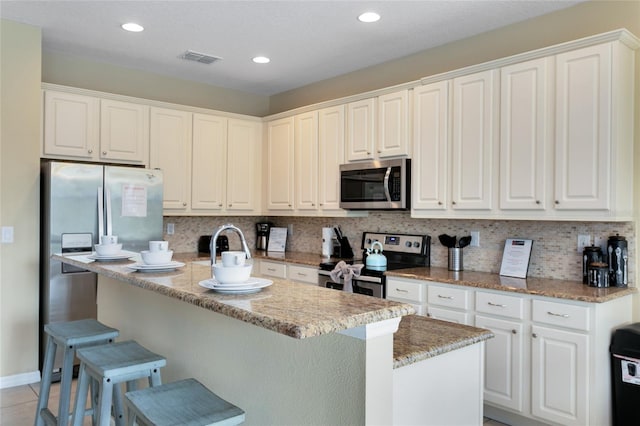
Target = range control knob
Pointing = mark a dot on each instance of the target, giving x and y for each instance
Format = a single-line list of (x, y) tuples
[(416, 244), (368, 240), (408, 244)]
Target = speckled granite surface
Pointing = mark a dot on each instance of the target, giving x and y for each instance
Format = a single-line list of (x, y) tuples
[(419, 338), (293, 309), (561, 289)]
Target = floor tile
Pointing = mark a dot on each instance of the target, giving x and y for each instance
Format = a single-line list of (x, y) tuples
[(16, 395)]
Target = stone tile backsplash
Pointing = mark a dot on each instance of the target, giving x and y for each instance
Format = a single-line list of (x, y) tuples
[(554, 253)]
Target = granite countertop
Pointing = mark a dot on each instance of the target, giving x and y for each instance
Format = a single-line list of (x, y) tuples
[(419, 338), (293, 309), (561, 289)]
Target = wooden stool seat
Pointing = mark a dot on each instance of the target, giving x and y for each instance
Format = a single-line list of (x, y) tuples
[(68, 336), (185, 403), (111, 365)]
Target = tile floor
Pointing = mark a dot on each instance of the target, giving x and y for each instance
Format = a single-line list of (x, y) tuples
[(18, 405)]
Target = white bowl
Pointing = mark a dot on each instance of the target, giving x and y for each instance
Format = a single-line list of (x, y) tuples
[(108, 249), (156, 257), (232, 274)]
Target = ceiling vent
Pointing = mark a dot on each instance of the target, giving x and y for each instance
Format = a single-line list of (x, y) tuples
[(190, 55)]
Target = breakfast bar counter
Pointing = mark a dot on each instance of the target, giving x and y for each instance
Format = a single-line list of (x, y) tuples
[(292, 353)]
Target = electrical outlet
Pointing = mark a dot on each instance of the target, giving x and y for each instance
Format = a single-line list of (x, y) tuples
[(584, 240), (475, 239), (7, 234), (171, 228)]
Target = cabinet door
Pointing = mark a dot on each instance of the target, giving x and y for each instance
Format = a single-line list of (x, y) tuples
[(474, 137), (244, 152), (525, 133), (124, 131), (458, 317), (208, 162), (280, 175), (361, 129), (71, 125), (583, 128), (560, 376), (430, 146), (503, 375), (330, 156), (306, 161), (170, 151), (393, 124)]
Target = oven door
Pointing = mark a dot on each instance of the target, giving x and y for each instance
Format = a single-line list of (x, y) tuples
[(371, 286)]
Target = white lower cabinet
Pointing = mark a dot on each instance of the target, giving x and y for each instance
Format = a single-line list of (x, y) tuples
[(303, 274), (273, 269), (548, 361)]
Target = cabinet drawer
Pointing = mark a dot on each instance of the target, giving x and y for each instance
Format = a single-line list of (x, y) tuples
[(273, 269), (302, 274), (448, 315), (405, 290), (564, 315), (446, 296), (499, 304)]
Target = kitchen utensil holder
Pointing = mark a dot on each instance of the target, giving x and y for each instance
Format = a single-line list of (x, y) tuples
[(455, 259)]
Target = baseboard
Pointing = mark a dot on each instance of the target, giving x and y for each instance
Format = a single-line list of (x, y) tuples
[(19, 379)]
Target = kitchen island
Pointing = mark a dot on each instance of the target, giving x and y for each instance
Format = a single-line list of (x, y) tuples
[(290, 354)]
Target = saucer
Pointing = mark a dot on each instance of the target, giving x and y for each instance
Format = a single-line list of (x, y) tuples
[(111, 257), (252, 285), (143, 267)]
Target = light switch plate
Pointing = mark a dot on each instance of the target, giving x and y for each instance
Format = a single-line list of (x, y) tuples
[(171, 228), (475, 239), (7, 234)]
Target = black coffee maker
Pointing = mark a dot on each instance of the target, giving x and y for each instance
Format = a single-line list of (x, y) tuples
[(262, 235)]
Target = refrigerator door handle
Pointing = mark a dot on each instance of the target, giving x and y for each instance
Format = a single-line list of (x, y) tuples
[(100, 213), (108, 210)]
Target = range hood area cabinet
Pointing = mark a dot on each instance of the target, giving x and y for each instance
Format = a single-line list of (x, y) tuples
[(561, 130), (379, 127), (210, 163), (86, 128)]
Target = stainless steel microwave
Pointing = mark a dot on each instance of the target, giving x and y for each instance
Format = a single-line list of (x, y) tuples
[(376, 185)]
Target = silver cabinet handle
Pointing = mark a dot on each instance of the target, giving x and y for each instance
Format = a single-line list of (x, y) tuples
[(184, 204), (514, 332), (271, 269), (400, 290), (498, 305), (300, 274), (220, 205), (558, 315), (90, 151), (445, 297), (104, 152), (534, 335)]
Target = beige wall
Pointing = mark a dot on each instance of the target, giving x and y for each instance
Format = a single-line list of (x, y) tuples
[(19, 189), (67, 70)]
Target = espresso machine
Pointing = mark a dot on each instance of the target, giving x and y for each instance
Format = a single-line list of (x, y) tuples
[(262, 235)]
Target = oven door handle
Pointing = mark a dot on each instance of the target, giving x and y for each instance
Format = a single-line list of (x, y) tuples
[(364, 278), (387, 193)]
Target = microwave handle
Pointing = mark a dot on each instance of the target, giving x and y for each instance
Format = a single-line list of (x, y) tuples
[(386, 184)]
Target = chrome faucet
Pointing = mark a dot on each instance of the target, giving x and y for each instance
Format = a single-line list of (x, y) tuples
[(214, 238)]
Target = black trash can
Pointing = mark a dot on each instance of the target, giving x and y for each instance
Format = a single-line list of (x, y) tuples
[(625, 375)]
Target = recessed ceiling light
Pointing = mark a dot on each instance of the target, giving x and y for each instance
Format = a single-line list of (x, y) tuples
[(133, 27), (261, 60), (369, 17)]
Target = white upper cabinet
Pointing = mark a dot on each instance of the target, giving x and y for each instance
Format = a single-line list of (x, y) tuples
[(393, 124), (124, 131), (244, 171), (208, 162), (93, 129), (526, 133), (430, 169), (361, 130), (280, 165), (71, 125), (330, 157), (306, 161), (170, 151), (474, 137)]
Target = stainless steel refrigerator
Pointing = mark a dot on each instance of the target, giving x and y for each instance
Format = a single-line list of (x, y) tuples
[(80, 202)]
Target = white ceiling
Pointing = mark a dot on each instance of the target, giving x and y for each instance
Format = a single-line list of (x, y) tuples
[(307, 40)]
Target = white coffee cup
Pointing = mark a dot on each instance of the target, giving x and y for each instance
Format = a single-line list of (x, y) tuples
[(158, 245), (233, 258), (108, 239)]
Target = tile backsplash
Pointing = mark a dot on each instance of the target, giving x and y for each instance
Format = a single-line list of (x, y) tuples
[(554, 253)]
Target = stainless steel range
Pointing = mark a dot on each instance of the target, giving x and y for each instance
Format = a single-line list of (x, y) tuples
[(402, 251)]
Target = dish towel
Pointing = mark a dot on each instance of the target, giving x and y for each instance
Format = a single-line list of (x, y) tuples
[(347, 273)]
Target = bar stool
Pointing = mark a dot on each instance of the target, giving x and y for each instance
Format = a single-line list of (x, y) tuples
[(71, 336), (111, 365), (186, 402)]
